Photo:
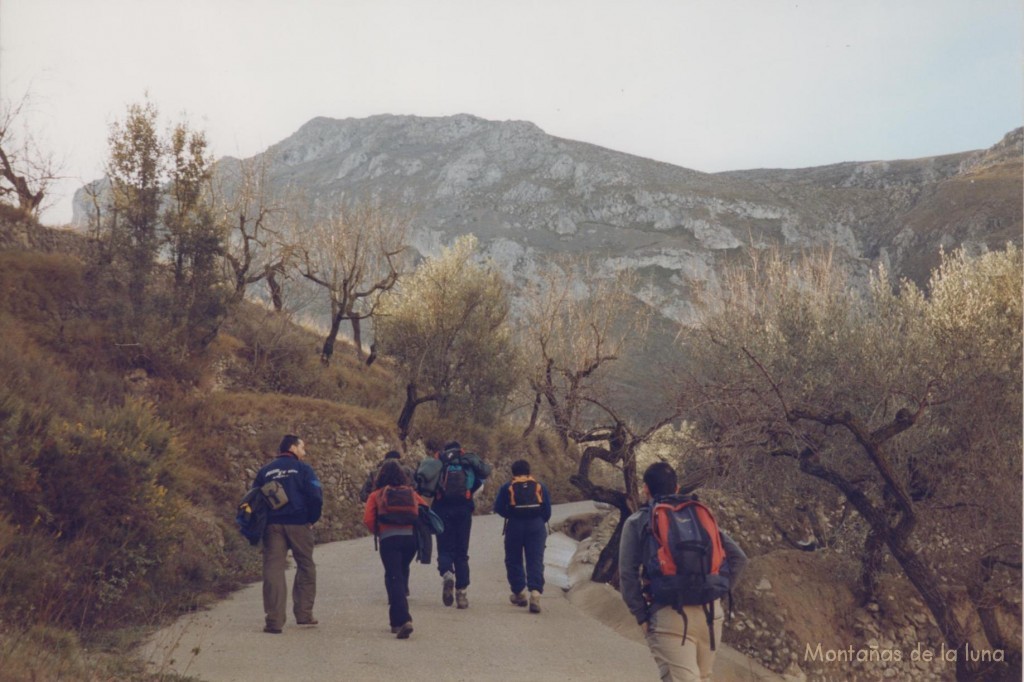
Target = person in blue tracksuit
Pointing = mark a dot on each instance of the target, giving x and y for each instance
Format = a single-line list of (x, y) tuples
[(461, 476), (526, 505)]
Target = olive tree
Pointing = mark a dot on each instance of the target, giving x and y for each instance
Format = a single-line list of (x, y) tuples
[(907, 402), (446, 327)]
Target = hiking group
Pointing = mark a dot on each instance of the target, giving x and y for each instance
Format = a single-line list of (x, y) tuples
[(675, 564)]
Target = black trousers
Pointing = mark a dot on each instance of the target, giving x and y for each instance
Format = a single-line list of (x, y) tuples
[(396, 553), (453, 543), (525, 538)]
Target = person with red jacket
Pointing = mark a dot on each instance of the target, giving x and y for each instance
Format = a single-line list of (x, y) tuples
[(391, 514)]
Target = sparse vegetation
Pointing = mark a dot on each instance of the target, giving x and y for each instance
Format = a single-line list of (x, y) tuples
[(139, 385), (121, 463), (906, 402)]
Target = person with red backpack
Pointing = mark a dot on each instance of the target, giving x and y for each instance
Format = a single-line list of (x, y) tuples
[(525, 505), (391, 513), (675, 566)]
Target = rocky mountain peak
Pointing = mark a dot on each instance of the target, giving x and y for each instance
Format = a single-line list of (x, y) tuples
[(526, 194)]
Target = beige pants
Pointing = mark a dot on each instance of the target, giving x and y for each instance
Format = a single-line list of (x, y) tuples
[(277, 540), (678, 661)]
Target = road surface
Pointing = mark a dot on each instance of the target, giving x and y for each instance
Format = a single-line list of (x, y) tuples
[(491, 640)]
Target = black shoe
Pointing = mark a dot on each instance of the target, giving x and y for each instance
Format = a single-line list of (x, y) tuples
[(405, 631), (273, 631), (311, 621)]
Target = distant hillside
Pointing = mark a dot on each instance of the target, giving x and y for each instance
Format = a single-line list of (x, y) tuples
[(527, 194)]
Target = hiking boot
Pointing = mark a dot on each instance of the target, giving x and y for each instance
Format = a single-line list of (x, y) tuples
[(448, 589), (518, 598), (405, 631), (461, 600), (534, 601)]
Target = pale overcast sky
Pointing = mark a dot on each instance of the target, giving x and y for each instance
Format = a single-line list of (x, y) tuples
[(711, 85)]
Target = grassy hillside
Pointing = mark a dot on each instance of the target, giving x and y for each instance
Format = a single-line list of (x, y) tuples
[(123, 460)]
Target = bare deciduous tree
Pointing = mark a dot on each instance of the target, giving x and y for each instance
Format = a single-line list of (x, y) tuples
[(259, 222), (26, 172), (354, 254), (578, 326)]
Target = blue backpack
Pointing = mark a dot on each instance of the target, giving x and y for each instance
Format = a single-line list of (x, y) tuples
[(255, 507), (457, 480), (251, 515)]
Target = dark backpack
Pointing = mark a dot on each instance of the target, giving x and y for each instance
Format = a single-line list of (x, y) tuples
[(254, 509), (683, 556), (525, 498), (397, 505), (457, 480), (251, 515)]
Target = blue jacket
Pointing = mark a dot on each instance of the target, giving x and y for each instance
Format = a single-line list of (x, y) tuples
[(502, 506), (305, 495)]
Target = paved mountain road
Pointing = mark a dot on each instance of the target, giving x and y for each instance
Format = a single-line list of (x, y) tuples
[(491, 640)]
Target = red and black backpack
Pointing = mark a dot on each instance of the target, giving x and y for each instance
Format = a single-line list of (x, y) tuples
[(683, 556)]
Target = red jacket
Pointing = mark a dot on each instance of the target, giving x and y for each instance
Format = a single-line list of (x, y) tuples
[(370, 515)]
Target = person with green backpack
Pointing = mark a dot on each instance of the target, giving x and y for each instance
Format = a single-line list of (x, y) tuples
[(525, 504), (462, 474)]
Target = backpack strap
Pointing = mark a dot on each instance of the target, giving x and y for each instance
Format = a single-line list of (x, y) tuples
[(709, 613)]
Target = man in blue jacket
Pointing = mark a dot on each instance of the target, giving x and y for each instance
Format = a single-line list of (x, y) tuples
[(290, 526), (526, 505)]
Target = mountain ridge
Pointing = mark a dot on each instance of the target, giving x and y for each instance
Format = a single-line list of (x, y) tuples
[(527, 195)]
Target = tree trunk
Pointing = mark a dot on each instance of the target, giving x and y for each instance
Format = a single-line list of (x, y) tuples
[(534, 413), (276, 290), (412, 401), (357, 337), (954, 615), (871, 564), (957, 618), (332, 335), (606, 570)]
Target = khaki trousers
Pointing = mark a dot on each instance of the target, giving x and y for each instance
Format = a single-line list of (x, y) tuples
[(679, 661), (277, 540)]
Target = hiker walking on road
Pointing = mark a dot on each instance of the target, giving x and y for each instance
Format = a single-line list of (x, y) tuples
[(391, 513), (674, 588), (461, 475), (370, 484), (525, 505), (290, 526)]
